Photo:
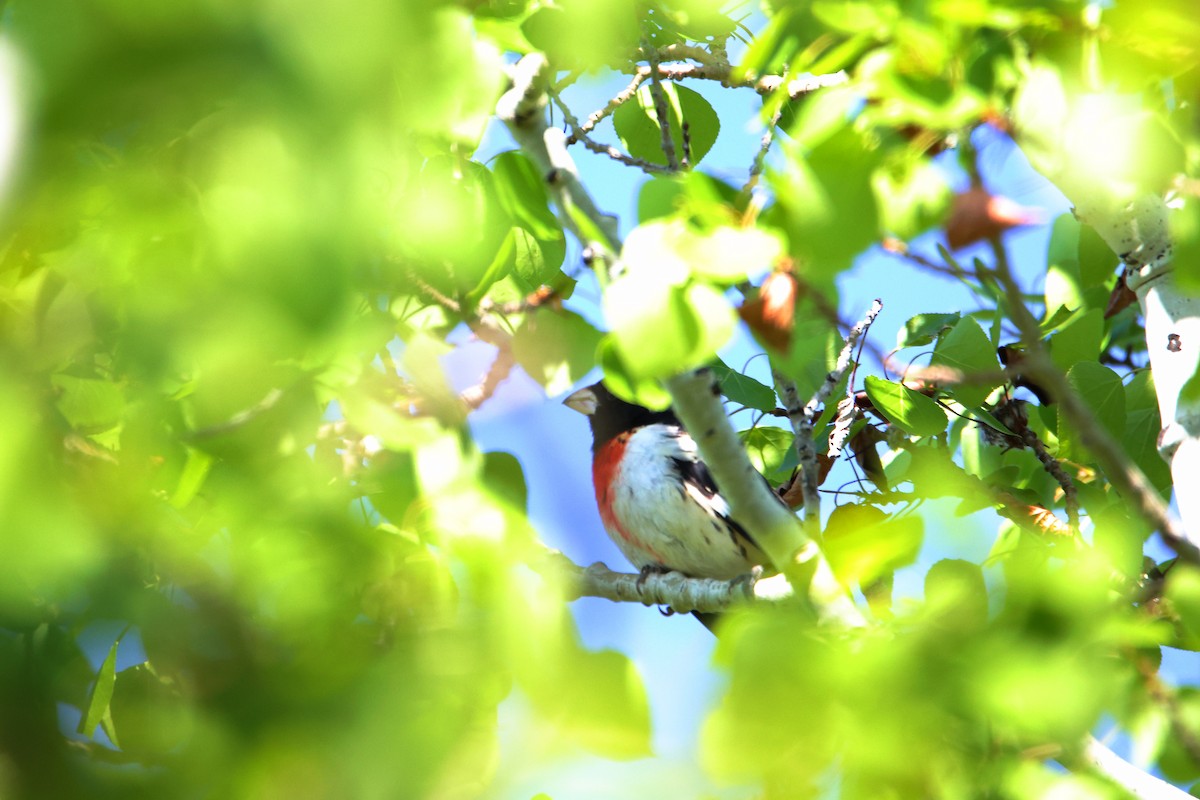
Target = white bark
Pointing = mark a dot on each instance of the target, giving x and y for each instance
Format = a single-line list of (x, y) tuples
[(1138, 232)]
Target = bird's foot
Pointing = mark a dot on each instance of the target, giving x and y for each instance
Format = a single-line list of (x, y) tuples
[(645, 572), (744, 583)]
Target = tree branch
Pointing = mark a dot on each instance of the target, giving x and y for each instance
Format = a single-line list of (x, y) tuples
[(661, 111), (672, 589), (520, 108), (804, 418), (697, 402), (1137, 782), (1124, 474)]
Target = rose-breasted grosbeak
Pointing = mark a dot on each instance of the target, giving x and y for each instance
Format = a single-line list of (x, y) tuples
[(657, 500)]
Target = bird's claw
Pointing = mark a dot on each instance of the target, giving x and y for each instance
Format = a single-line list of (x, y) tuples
[(645, 572), (745, 582)]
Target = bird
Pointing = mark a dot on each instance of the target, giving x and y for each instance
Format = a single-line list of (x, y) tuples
[(657, 499)]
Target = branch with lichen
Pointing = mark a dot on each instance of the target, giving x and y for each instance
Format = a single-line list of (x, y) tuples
[(673, 590), (804, 416)]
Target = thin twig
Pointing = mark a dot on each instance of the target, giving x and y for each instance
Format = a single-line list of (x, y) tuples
[(622, 97), (661, 109), (1125, 475), (475, 396), (804, 418), (578, 135), (1056, 471), (760, 158)]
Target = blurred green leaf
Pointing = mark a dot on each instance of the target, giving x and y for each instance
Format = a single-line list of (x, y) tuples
[(578, 34), (660, 197), (556, 348), (826, 204), (90, 405), (863, 544), (661, 323), (913, 196)]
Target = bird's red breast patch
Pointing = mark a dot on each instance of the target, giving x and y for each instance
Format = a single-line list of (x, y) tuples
[(606, 467)]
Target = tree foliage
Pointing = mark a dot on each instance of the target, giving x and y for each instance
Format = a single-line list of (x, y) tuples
[(251, 549)]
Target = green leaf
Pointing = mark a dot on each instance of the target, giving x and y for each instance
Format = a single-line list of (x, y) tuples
[(908, 410), (1142, 428), (646, 392), (522, 193), (1102, 391), (1063, 284), (955, 593), (451, 256), (503, 477), (1185, 235), (825, 202), (772, 451), (1097, 261), (150, 712), (537, 242), (863, 544), (814, 351), (580, 34), (967, 348), (824, 114), (90, 405), (102, 691), (1078, 340), (636, 123), (743, 389), (922, 329), (195, 470), (1183, 592), (557, 348), (856, 16), (913, 196), (661, 325), (724, 255), (660, 197), (1040, 113)]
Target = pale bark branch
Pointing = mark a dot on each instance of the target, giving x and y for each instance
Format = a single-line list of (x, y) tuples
[(520, 108), (580, 135), (1137, 782), (697, 401), (661, 110), (671, 589), (804, 417)]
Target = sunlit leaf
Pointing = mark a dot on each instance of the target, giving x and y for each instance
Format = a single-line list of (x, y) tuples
[(743, 389), (102, 691), (909, 410), (967, 349)]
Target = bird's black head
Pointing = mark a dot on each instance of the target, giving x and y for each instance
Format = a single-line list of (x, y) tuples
[(611, 416)]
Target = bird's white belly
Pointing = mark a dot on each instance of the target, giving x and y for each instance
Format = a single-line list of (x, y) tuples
[(661, 522)]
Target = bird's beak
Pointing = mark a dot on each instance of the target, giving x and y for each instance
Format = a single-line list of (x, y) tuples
[(584, 401)]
